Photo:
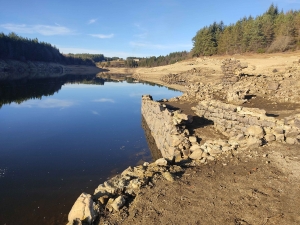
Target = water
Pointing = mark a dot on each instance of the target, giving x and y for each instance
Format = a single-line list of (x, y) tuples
[(62, 137)]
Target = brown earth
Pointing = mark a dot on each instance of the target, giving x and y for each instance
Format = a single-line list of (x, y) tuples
[(260, 186)]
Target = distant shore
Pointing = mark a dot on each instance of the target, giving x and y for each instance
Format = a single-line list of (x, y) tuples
[(15, 70)]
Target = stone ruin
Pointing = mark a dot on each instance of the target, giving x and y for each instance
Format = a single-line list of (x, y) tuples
[(232, 69)]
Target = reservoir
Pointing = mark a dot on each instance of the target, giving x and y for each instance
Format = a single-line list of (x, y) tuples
[(61, 137)]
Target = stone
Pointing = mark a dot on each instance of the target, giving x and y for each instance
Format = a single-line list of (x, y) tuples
[(279, 137), (292, 133), (210, 158), (291, 141), (83, 209), (161, 162), (103, 199), (194, 147), (118, 203), (273, 86), (192, 139), (168, 176), (108, 205), (253, 142), (214, 151), (255, 131), (196, 154), (270, 137)]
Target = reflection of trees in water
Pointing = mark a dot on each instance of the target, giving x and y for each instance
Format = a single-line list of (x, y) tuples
[(155, 152), (22, 90)]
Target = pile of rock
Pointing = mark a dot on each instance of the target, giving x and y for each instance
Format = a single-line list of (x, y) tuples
[(237, 94), (200, 91), (231, 69), (249, 125), (211, 149), (173, 79), (113, 194)]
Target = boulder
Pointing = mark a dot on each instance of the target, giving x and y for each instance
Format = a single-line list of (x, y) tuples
[(253, 142), (118, 203), (197, 154), (255, 131), (161, 162), (83, 209)]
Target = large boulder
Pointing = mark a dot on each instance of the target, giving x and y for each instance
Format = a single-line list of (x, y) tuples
[(83, 209)]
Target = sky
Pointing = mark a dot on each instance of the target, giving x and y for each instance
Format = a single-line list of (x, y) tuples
[(124, 28)]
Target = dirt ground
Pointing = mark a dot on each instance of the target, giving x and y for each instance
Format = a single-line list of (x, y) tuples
[(260, 186), (257, 187)]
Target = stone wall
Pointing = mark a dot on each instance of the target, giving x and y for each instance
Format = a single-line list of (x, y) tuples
[(167, 128), (231, 68), (251, 125)]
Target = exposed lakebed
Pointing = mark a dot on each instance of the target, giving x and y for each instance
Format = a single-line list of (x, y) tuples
[(65, 136)]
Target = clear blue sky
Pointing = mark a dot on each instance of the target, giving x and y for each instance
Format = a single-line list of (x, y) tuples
[(124, 28)]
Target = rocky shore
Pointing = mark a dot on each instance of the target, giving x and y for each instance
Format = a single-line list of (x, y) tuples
[(229, 146)]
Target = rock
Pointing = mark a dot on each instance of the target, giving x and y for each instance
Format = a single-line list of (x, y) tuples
[(291, 141), (279, 137), (192, 139), (75, 222), (118, 203), (103, 199), (83, 209), (253, 142), (194, 147), (168, 176), (255, 131), (273, 86), (161, 162), (108, 205), (210, 158), (270, 137), (197, 154)]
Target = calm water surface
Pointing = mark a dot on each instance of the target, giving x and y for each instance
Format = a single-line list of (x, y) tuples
[(60, 139)]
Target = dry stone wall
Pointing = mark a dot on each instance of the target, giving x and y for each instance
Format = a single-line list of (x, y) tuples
[(251, 125), (167, 128), (231, 68)]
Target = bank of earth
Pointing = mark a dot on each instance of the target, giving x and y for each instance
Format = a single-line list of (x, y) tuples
[(247, 131)]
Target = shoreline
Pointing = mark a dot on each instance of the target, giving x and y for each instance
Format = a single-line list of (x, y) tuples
[(15, 70)]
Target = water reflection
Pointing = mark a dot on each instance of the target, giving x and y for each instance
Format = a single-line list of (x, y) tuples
[(62, 137), (22, 90), (155, 152)]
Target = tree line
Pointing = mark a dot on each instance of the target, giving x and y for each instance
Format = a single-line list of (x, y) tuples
[(272, 31), (157, 61), (15, 47)]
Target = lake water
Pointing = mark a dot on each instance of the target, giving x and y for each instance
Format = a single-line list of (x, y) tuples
[(62, 137)]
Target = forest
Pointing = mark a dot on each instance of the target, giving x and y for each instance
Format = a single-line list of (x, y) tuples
[(270, 32), (157, 61), (15, 47)]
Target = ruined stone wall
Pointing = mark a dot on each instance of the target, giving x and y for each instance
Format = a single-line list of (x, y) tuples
[(167, 128), (231, 68), (249, 123)]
